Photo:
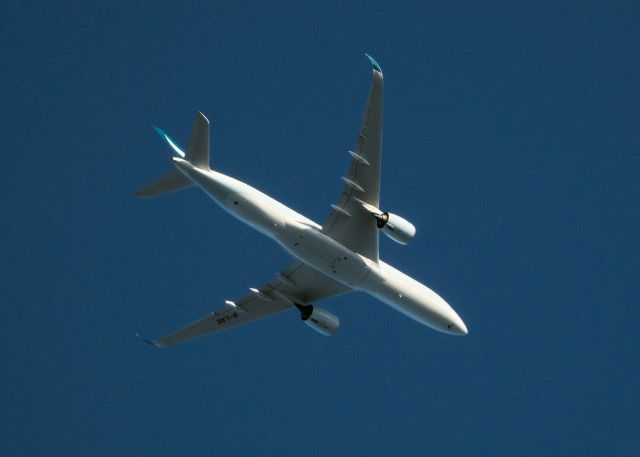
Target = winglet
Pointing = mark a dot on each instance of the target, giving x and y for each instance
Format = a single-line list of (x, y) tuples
[(169, 141), (149, 342), (374, 64)]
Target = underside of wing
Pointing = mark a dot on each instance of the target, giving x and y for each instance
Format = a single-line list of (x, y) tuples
[(298, 283), (350, 223)]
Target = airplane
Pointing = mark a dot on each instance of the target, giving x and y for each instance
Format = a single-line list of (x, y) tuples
[(338, 257)]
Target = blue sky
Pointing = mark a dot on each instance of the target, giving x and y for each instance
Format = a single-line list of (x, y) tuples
[(510, 140)]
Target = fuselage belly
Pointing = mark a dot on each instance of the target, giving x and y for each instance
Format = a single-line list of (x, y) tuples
[(304, 240)]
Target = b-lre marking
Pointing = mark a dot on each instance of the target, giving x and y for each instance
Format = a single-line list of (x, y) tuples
[(303, 239)]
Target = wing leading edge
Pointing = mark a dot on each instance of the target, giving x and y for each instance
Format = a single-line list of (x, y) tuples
[(350, 223), (298, 283)]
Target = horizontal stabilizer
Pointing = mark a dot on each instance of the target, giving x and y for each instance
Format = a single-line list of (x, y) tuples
[(171, 182)]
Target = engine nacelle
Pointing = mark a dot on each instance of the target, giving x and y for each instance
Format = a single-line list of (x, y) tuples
[(321, 320), (395, 227)]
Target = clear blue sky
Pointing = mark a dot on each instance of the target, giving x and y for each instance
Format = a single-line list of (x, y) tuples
[(511, 140)]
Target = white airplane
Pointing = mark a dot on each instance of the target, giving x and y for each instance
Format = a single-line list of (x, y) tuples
[(339, 257)]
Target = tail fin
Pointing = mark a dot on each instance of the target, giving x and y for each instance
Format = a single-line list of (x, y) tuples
[(197, 154), (198, 149)]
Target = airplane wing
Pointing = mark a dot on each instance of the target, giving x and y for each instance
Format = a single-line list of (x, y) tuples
[(298, 283), (349, 223)]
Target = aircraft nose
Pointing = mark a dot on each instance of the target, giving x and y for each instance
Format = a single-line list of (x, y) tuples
[(457, 327)]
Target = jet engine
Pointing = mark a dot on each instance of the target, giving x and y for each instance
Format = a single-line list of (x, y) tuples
[(395, 227), (321, 320)]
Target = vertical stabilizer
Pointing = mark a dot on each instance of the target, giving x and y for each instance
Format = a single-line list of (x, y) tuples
[(198, 149), (197, 154)]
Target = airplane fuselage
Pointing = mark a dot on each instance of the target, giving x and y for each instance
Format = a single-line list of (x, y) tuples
[(304, 240)]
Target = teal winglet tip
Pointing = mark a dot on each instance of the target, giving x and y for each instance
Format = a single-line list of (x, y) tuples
[(164, 135), (149, 342), (169, 141), (374, 64), (159, 131)]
